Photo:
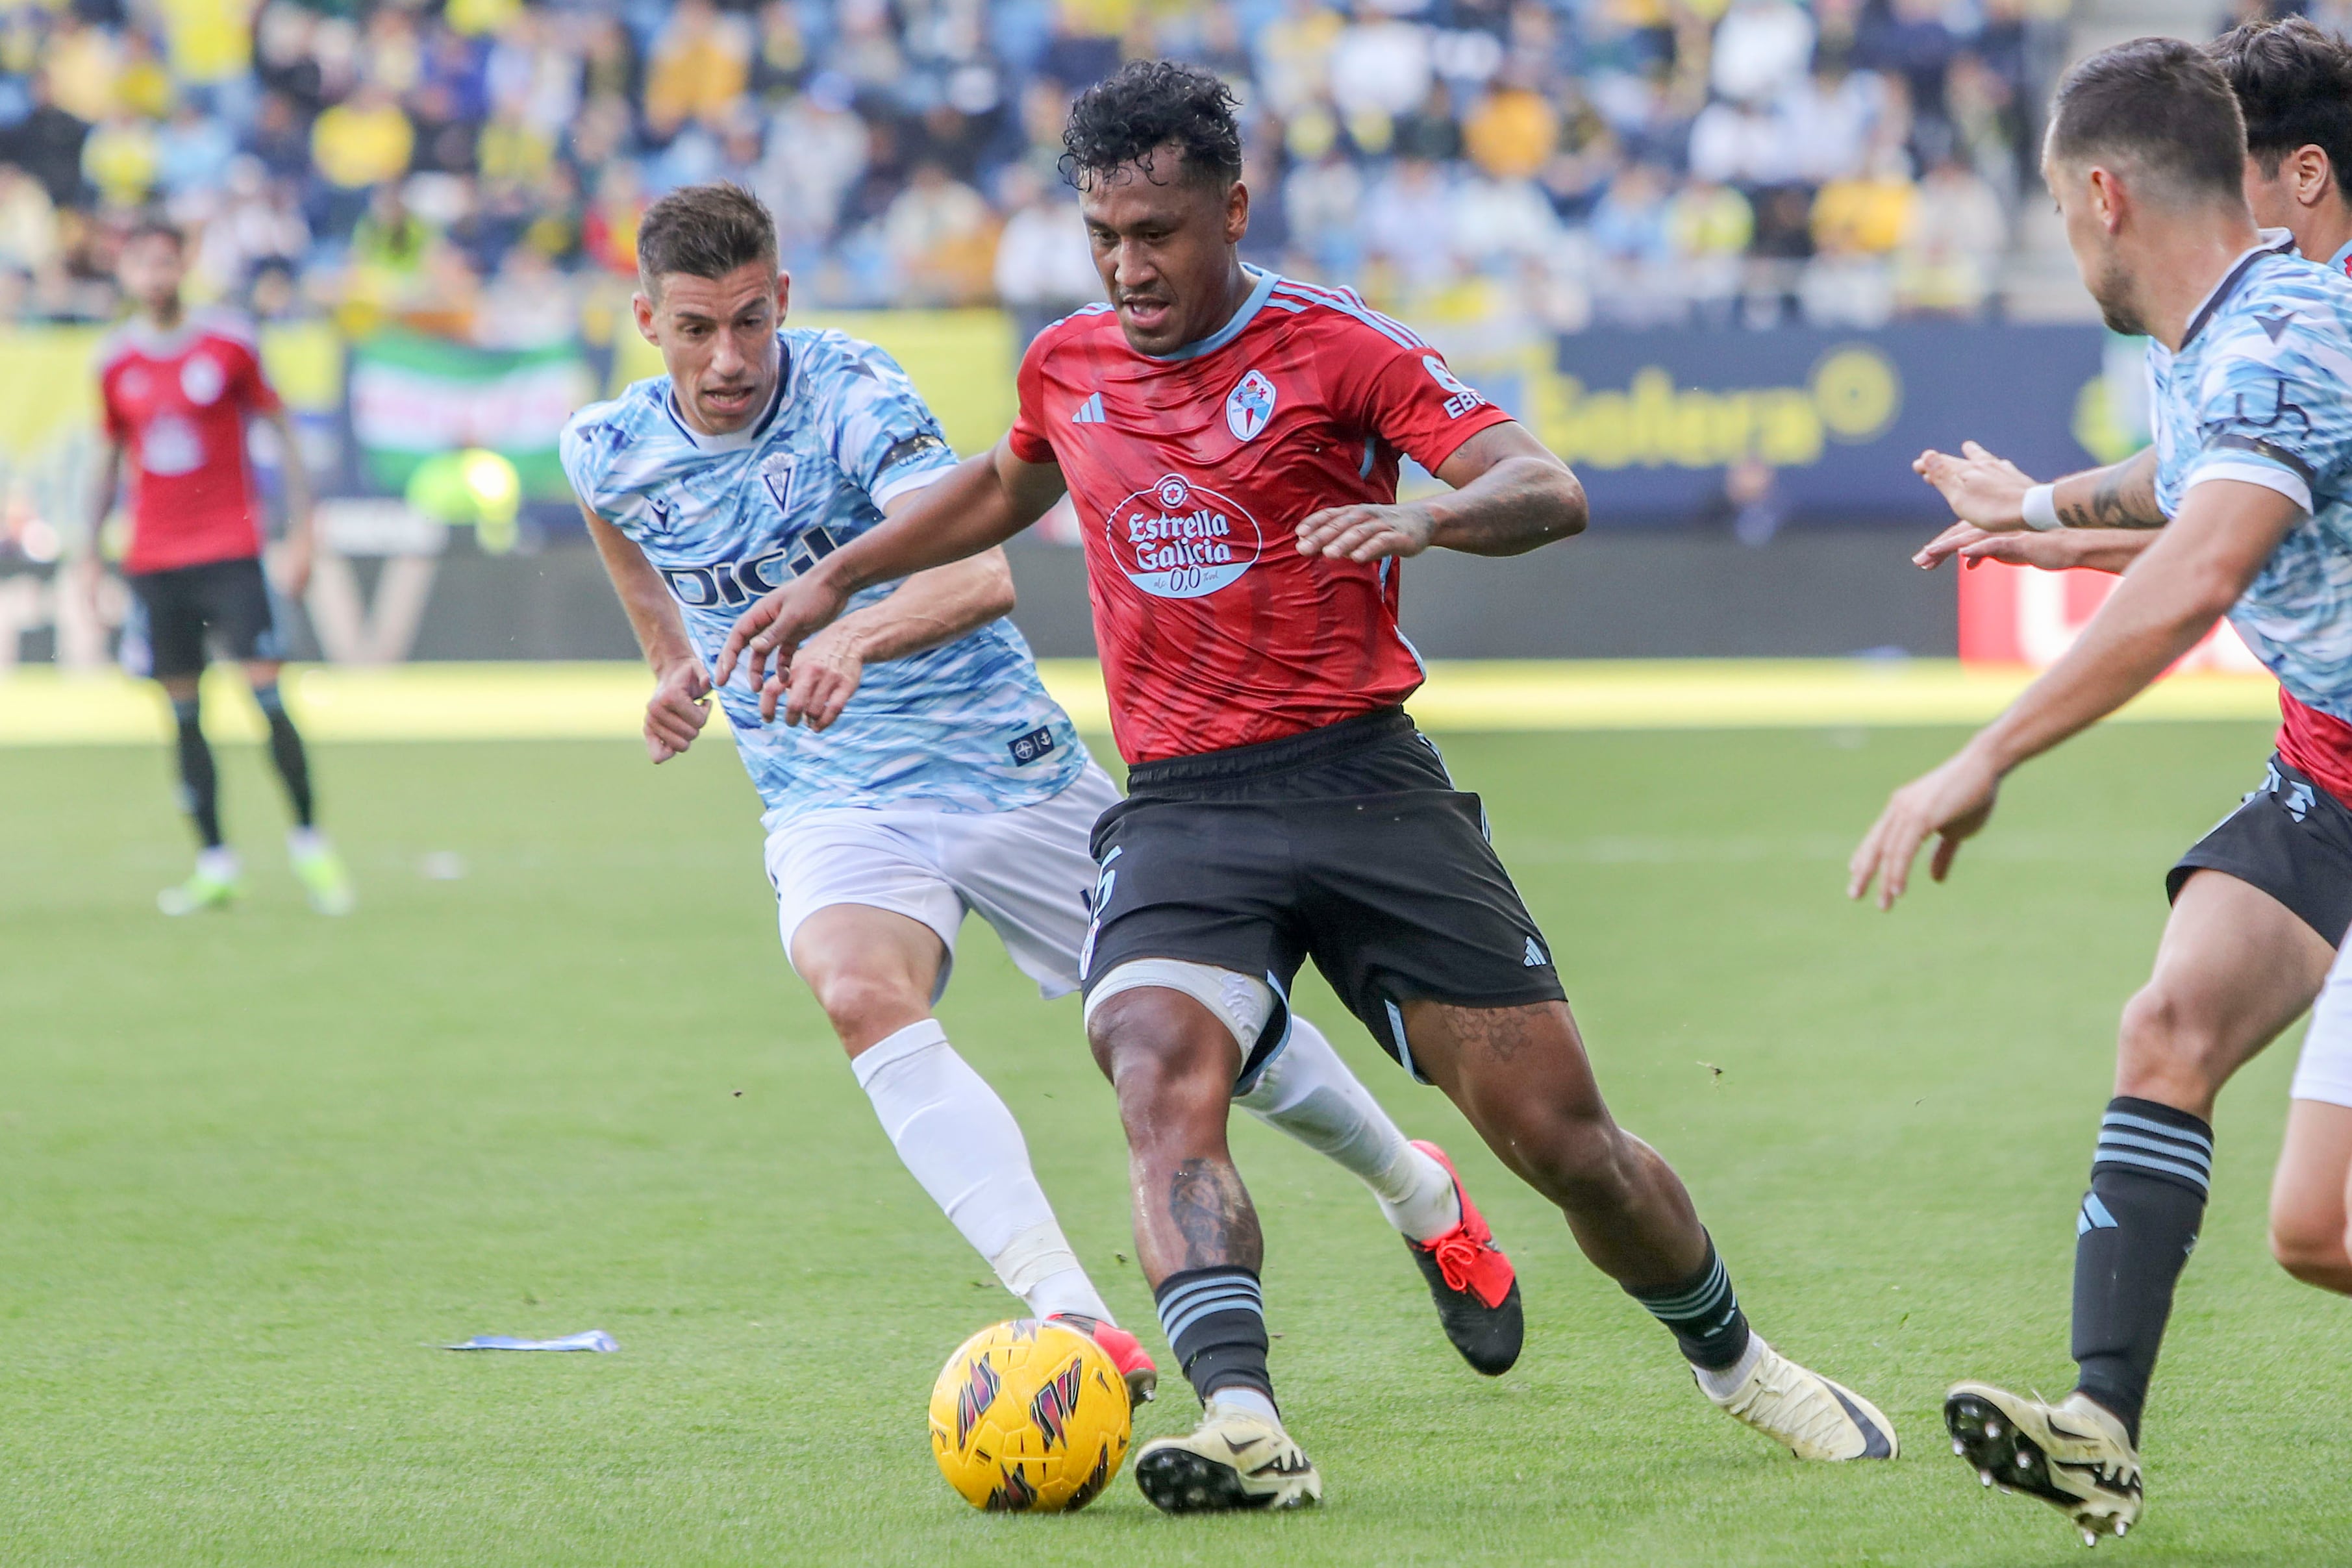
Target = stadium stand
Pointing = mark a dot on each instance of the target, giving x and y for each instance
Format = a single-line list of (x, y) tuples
[(476, 167)]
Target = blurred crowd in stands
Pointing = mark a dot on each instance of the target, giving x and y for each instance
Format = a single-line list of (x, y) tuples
[(477, 167)]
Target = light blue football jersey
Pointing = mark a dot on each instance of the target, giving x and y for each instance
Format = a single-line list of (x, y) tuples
[(965, 726), (2261, 391)]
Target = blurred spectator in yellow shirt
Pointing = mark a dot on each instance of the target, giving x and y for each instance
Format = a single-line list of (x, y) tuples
[(700, 65), (363, 141), (941, 236), (1512, 133), (1865, 213), (120, 159)]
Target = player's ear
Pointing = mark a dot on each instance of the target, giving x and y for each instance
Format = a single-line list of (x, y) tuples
[(1238, 202), (2313, 178), (784, 295), (641, 308)]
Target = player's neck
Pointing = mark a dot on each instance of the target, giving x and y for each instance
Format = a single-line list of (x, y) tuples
[(1238, 285), (2325, 232), (2198, 249), (163, 318)]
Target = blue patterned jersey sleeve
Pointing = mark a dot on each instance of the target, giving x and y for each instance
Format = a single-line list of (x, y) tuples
[(884, 437), (2269, 404), (585, 448)]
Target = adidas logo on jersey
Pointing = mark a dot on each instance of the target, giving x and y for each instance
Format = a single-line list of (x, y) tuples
[(1534, 958), (1089, 411)]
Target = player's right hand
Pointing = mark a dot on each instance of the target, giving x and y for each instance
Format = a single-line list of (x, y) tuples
[(1981, 488), (677, 711), (774, 628)]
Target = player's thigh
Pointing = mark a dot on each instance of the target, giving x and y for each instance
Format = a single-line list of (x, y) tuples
[(829, 865), (238, 610), (173, 614), (873, 970), (1407, 902), (1207, 882), (2234, 967), (1520, 1074), (1030, 873)]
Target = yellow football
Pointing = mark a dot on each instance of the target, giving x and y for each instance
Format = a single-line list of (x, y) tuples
[(1029, 1417)]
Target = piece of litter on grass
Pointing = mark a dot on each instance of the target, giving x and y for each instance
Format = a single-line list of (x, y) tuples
[(443, 865), (594, 1339)]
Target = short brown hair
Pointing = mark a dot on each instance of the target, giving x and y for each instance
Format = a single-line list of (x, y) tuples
[(704, 231), (2158, 103)]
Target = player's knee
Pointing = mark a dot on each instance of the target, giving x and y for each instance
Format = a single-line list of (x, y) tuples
[(2170, 1049), (2315, 1254), (864, 1007), (1166, 1062)]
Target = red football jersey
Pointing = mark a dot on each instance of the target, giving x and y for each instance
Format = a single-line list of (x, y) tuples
[(178, 402), (1188, 474)]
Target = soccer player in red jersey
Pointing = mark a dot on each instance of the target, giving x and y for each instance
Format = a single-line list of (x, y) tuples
[(1231, 440), (177, 390)]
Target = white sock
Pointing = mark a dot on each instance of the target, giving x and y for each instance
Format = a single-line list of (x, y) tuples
[(302, 844), (1308, 1092), (220, 862), (1721, 1385), (961, 1142), (1248, 1400)]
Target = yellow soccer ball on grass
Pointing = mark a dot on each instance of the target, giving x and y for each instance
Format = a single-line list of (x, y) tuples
[(1029, 1417)]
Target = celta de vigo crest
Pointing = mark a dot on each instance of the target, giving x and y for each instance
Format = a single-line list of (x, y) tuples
[(1249, 405)]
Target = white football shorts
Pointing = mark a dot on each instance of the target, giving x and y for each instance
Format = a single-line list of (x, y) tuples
[(2324, 1071), (1027, 872)]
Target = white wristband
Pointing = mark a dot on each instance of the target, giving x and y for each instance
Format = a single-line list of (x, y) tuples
[(2039, 509)]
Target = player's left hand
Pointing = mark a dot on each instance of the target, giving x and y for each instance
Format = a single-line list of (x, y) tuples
[(823, 677), (1361, 533), (1951, 803)]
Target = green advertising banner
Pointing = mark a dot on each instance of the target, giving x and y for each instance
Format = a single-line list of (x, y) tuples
[(412, 397)]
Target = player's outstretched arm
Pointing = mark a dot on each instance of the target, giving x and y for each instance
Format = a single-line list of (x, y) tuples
[(2186, 581), (1995, 495), (680, 704), (982, 502), (926, 610), (1511, 494), (2066, 550)]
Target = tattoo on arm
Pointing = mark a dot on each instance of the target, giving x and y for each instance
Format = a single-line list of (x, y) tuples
[(2124, 497), (1212, 1213)]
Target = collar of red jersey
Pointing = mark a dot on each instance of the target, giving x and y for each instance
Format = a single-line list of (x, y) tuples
[(161, 342), (2342, 260), (1259, 294)]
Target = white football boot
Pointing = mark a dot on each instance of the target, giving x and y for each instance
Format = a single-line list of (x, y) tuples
[(2075, 1456), (1234, 1459), (1807, 1414)]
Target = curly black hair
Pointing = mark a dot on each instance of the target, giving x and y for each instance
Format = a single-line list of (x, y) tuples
[(1145, 105)]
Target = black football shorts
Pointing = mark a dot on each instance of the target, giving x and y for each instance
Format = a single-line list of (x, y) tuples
[(228, 598), (2292, 840), (1347, 846)]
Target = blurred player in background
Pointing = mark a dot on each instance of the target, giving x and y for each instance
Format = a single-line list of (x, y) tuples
[(954, 783), (178, 389), (2252, 467), (2294, 84), (1231, 440)]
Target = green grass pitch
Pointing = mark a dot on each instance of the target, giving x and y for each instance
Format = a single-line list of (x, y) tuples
[(253, 1166)]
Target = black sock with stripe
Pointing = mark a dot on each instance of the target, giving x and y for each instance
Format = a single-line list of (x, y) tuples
[(1703, 1313), (1216, 1322), (2136, 1227)]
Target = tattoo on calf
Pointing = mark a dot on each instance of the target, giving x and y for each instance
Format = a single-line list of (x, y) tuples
[(1212, 1213)]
